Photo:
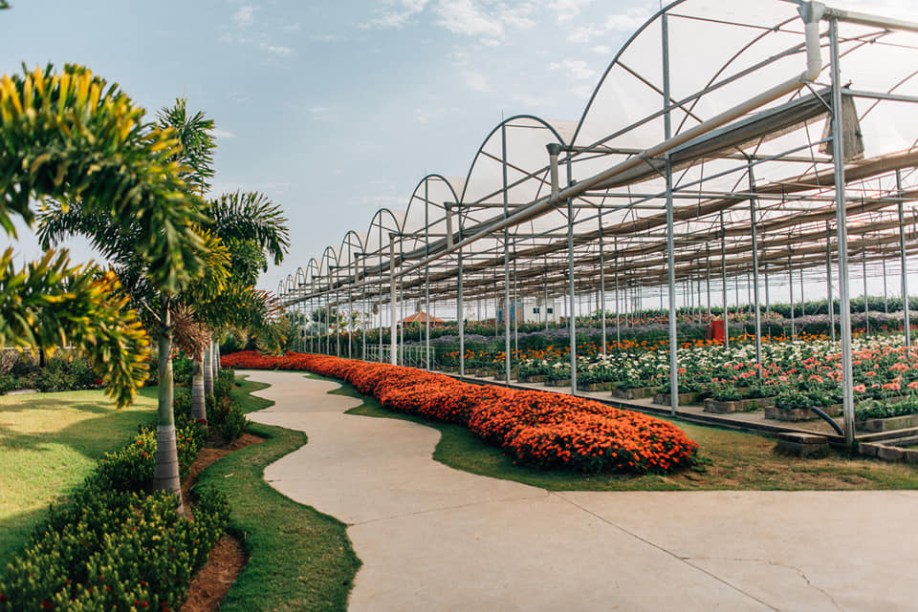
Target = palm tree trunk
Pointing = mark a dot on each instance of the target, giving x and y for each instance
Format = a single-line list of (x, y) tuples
[(217, 366), (166, 473), (209, 370), (198, 380)]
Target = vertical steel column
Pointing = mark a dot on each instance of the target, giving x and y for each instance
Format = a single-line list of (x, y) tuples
[(350, 307), (790, 283), (906, 320), (618, 322), (723, 272), (516, 303), (670, 246), (328, 315), (503, 164), (838, 157), (754, 221), (570, 275), (802, 295), (380, 304), (426, 277), (866, 301), (602, 284), (767, 300), (885, 288), (829, 296), (707, 276), (393, 308)]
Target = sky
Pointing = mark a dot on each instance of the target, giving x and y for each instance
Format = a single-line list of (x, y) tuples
[(335, 108)]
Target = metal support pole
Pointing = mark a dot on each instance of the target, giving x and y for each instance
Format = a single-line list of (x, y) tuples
[(570, 282), (618, 322), (829, 296), (503, 163), (426, 278), (602, 286), (790, 282), (393, 308), (838, 157), (723, 272), (753, 216), (460, 314), (906, 321), (866, 300), (670, 246)]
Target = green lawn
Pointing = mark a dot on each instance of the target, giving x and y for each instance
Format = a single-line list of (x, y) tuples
[(299, 559), (730, 460), (49, 443)]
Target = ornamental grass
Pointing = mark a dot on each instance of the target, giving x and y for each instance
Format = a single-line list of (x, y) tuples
[(537, 428)]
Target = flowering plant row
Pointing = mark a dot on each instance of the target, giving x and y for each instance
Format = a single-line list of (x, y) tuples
[(535, 427)]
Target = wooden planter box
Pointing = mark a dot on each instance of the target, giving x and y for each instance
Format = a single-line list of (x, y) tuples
[(635, 393), (688, 397), (535, 378), (799, 414), (500, 375), (876, 425), (484, 372), (743, 405), (564, 382), (598, 386)]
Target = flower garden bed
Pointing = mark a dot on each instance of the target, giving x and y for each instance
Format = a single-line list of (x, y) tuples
[(741, 405), (633, 392), (887, 424), (536, 428), (688, 397), (775, 413)]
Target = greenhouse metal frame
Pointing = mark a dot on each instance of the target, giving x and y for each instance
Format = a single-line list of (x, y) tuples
[(709, 152)]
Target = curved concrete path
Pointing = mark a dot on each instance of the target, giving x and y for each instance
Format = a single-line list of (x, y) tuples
[(434, 538)]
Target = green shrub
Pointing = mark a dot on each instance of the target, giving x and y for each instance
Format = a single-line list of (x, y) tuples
[(131, 467), (107, 549), (182, 370)]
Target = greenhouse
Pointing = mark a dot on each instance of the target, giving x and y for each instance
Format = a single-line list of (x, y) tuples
[(703, 184)]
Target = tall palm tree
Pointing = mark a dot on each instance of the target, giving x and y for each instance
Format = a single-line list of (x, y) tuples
[(70, 135)]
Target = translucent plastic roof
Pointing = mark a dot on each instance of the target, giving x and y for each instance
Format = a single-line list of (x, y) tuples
[(775, 156)]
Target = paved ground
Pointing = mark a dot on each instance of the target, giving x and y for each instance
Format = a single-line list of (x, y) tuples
[(433, 538)]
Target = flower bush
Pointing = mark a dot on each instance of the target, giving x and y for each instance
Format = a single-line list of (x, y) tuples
[(536, 428)]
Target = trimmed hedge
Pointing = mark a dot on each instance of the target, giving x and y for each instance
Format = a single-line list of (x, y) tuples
[(111, 545)]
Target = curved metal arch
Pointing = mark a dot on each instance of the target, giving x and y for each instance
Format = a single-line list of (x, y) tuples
[(439, 178), (300, 277), (615, 61), (464, 215), (325, 261), (347, 242), (379, 214)]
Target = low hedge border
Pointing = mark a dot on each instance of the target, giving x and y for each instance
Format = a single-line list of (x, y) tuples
[(112, 545), (536, 428)]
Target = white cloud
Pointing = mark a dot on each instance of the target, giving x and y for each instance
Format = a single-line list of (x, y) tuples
[(566, 10), (475, 81), (585, 34), (218, 133), (467, 17), (395, 14), (606, 50), (577, 70), (244, 16), (627, 21), (279, 50)]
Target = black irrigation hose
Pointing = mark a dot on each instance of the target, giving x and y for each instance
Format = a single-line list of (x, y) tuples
[(825, 417)]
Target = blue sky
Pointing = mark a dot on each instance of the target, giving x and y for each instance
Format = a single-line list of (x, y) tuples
[(334, 108)]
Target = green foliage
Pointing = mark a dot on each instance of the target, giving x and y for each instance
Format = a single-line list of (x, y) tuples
[(49, 303), (182, 370), (113, 549), (71, 135), (131, 468), (878, 409)]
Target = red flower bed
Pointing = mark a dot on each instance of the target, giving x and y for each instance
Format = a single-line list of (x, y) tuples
[(535, 427)]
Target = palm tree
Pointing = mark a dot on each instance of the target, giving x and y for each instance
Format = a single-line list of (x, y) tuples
[(72, 136), (119, 181)]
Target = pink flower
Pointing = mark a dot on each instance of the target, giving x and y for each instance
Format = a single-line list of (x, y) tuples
[(913, 384), (862, 388)]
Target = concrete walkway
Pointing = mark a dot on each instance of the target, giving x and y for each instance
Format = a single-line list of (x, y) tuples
[(432, 538)]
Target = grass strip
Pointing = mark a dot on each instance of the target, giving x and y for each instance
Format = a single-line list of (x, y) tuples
[(49, 443), (298, 558), (731, 460)]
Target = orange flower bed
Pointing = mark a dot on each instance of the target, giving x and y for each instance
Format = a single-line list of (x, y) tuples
[(536, 428)]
